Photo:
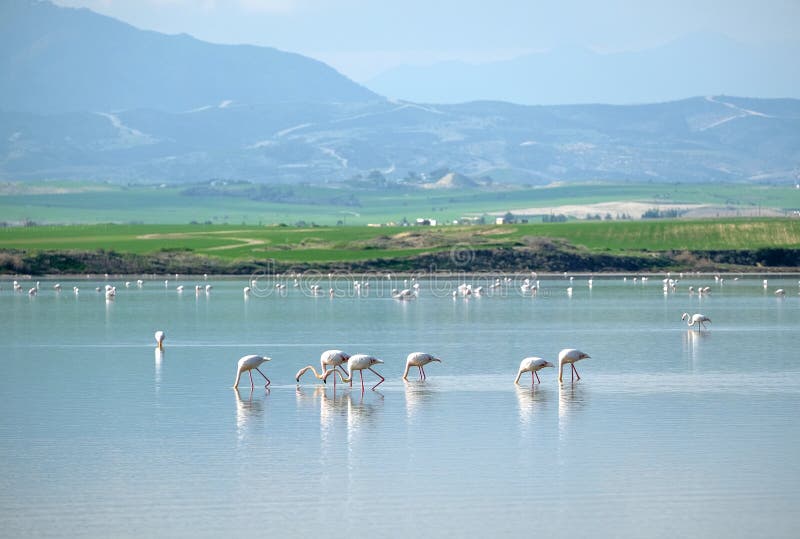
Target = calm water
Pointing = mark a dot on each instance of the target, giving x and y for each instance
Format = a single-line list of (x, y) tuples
[(670, 432)]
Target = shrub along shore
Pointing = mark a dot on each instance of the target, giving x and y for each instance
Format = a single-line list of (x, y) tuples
[(502, 259)]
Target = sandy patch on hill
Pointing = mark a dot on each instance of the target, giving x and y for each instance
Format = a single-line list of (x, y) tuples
[(636, 209)]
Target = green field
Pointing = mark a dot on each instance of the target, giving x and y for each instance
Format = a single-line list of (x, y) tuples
[(350, 243), (65, 203)]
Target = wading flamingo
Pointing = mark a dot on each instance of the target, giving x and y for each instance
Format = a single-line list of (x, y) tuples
[(569, 356), (698, 319), (358, 362), (531, 365), (329, 358), (419, 360), (248, 363), (160, 339)]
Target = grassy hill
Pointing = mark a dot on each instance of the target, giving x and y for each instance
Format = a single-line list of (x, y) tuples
[(335, 244)]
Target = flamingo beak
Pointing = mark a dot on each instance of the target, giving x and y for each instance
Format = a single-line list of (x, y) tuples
[(378, 361), (437, 359)]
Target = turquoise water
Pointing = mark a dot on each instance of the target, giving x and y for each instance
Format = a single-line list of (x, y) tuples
[(670, 433)]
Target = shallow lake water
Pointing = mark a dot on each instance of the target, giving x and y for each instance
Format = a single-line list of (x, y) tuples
[(671, 432)]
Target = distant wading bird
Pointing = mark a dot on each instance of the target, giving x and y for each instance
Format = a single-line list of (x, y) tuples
[(358, 362), (419, 360), (329, 358), (248, 363), (531, 365), (569, 356), (698, 319), (160, 339)]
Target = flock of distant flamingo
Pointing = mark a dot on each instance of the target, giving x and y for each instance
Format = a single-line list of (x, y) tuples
[(528, 287)]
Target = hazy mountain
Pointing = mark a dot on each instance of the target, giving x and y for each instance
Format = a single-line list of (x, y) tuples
[(697, 64), (699, 139), (56, 59), (83, 96)]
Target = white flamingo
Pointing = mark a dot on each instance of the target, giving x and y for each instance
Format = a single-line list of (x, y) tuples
[(531, 365), (780, 292), (358, 362), (696, 319), (329, 358), (569, 356), (419, 360), (405, 294), (160, 339), (248, 363)]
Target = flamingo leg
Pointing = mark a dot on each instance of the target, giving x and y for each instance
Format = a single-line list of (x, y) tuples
[(576, 371), (537, 377), (532, 378), (424, 374), (379, 376), (361, 374), (265, 378), (250, 372)]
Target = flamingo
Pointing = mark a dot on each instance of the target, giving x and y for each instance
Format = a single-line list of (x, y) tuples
[(532, 364), (160, 339), (419, 360), (569, 356), (699, 319), (332, 358), (404, 294), (358, 362), (780, 292), (248, 363)]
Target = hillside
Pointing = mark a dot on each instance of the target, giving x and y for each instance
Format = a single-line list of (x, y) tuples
[(56, 60), (713, 139)]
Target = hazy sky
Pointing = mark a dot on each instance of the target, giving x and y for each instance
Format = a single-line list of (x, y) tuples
[(360, 38)]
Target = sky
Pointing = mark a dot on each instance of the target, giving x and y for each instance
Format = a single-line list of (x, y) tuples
[(362, 38)]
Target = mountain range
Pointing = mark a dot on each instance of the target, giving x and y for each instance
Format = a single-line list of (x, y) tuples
[(86, 97), (696, 64)]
